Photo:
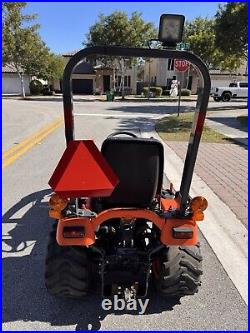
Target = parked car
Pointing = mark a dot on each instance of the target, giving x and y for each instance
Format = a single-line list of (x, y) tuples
[(235, 89)]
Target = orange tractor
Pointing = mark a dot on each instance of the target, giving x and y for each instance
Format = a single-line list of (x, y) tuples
[(116, 228)]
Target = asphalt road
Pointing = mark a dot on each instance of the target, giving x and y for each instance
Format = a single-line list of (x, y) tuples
[(26, 225)]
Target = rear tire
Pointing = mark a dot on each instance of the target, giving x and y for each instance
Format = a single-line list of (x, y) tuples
[(217, 99), (179, 271), (66, 271)]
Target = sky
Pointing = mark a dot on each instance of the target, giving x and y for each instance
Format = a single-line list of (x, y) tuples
[(65, 24)]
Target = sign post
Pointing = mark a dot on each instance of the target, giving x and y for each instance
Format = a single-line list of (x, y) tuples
[(180, 66), (179, 98)]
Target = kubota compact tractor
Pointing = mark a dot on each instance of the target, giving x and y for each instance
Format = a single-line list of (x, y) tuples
[(116, 228)]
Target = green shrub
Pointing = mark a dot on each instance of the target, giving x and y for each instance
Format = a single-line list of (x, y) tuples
[(47, 90), (166, 92), (185, 92), (145, 91), (36, 87), (156, 91)]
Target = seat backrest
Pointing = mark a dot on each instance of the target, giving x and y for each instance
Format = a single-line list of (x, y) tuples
[(138, 163)]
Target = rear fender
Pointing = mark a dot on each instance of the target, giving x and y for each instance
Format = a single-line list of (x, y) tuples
[(91, 225)]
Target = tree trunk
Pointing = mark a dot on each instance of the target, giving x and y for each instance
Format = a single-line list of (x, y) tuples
[(22, 84), (114, 88)]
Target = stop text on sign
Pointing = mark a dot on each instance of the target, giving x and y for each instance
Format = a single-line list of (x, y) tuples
[(181, 65)]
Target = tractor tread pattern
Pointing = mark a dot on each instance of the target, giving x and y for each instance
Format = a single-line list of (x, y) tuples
[(66, 269), (180, 271)]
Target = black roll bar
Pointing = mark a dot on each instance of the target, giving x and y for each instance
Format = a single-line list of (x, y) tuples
[(201, 106)]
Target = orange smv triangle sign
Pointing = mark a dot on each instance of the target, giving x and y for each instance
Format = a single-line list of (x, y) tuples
[(83, 172)]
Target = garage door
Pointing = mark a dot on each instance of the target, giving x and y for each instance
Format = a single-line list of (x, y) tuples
[(11, 84), (82, 86)]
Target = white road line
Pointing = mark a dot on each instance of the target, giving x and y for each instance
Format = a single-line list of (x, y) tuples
[(119, 115), (226, 235)]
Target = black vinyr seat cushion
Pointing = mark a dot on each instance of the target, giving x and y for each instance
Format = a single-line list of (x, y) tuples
[(138, 163)]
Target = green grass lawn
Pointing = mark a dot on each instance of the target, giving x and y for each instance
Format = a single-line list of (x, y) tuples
[(243, 121), (174, 128)]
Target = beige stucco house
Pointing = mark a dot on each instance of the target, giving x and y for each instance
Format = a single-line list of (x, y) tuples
[(161, 71), (93, 78), (223, 78)]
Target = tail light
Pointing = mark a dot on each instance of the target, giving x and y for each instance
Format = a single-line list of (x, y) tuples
[(198, 203), (55, 214), (73, 232), (182, 233), (57, 203)]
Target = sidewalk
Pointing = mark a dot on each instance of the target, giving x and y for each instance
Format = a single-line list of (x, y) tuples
[(224, 232), (225, 122), (139, 98), (223, 167)]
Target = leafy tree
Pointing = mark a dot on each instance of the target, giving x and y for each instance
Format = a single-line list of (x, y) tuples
[(118, 29), (231, 28), (23, 48), (200, 33), (53, 67), (20, 44)]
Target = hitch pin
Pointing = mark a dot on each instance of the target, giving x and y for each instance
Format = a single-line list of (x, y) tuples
[(129, 294)]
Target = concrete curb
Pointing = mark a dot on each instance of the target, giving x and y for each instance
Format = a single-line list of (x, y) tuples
[(156, 100), (226, 235), (234, 134)]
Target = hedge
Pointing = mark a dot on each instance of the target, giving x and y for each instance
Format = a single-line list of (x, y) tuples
[(157, 91), (36, 87), (185, 92)]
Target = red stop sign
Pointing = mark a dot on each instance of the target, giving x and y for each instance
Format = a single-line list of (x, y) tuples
[(181, 65)]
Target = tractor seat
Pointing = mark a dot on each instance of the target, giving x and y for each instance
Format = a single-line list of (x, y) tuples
[(138, 163)]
